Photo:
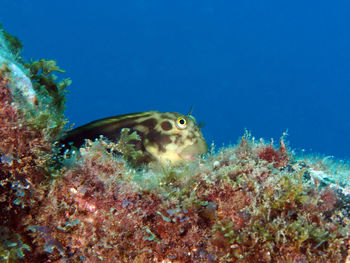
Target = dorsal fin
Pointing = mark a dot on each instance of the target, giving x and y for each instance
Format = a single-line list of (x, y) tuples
[(191, 110)]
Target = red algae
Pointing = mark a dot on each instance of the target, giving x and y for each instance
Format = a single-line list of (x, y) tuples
[(278, 158)]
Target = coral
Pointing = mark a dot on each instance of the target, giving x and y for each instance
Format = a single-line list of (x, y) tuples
[(251, 202)]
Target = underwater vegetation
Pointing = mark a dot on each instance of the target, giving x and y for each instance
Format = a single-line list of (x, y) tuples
[(252, 202)]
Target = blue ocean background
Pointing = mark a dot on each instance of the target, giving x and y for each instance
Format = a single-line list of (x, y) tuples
[(267, 66)]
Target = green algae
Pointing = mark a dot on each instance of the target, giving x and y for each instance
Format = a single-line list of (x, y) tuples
[(12, 41), (51, 97)]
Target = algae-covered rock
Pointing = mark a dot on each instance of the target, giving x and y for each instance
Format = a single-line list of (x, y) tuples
[(30, 124)]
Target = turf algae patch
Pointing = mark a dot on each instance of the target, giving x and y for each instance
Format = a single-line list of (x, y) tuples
[(233, 206)]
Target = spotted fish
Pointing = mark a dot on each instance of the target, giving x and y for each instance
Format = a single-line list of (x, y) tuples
[(164, 136)]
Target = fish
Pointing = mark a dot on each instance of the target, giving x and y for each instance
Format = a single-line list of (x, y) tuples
[(164, 136)]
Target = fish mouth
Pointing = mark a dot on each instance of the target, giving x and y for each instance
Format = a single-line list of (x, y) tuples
[(188, 157), (198, 148)]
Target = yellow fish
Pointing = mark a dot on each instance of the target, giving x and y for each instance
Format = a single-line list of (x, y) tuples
[(164, 136)]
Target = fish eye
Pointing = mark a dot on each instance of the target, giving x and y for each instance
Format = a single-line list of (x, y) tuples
[(181, 123)]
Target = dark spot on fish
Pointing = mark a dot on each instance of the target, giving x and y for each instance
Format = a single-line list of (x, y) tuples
[(158, 138), (177, 138), (166, 125), (191, 136), (150, 123)]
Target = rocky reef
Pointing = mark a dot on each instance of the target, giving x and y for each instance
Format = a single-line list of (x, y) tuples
[(252, 202)]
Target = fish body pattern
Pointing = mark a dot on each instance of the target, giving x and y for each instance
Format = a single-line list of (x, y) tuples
[(164, 136)]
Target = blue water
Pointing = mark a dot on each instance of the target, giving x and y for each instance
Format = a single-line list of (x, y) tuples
[(268, 66)]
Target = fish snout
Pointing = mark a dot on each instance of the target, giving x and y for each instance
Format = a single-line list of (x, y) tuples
[(198, 148)]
